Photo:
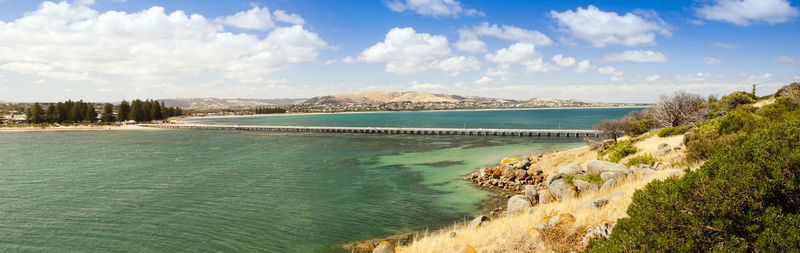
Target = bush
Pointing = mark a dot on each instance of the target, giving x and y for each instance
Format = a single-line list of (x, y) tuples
[(732, 101), (618, 151), (745, 198), (739, 120), (642, 159), (783, 108), (639, 126), (591, 178), (670, 131), (705, 141)]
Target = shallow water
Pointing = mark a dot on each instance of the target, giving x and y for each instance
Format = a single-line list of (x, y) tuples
[(185, 190)]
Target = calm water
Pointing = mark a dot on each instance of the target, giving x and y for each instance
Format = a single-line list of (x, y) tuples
[(582, 118), (189, 190)]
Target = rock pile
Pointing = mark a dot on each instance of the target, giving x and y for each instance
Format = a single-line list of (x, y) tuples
[(511, 174)]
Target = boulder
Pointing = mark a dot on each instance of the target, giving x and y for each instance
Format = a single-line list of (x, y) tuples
[(384, 247), (607, 175), (664, 145), (607, 185), (560, 219), (583, 186), (561, 190), (518, 204), (571, 169), (521, 174), (664, 151), (545, 196), (477, 222), (600, 232), (553, 177), (532, 193), (597, 167)]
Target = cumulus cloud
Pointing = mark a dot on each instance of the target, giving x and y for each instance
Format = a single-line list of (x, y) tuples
[(602, 28), (484, 80), (469, 37), (562, 61), (636, 56), (700, 76), (253, 19), (711, 60), (432, 8), (523, 54), (606, 70), (584, 66), (405, 52), (745, 12), (653, 78), (290, 18), (77, 42)]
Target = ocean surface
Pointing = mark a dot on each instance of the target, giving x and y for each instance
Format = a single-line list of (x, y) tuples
[(188, 190)]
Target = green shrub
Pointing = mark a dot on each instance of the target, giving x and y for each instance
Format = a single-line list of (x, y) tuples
[(705, 141), (642, 159), (739, 120), (745, 198), (670, 131), (783, 108), (636, 127), (617, 151), (732, 101), (591, 178)]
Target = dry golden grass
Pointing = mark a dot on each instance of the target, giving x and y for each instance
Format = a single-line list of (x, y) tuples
[(516, 233), (762, 103), (550, 162), (650, 144)]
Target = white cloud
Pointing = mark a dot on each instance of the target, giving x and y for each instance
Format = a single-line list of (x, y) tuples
[(469, 37), (147, 45), (484, 80), (653, 78), (745, 12), (291, 18), (606, 70), (785, 59), (609, 28), (700, 76), (617, 76), (636, 56), (457, 64), (405, 52), (523, 54), (254, 19), (711, 60), (722, 45), (26, 67), (584, 66), (562, 61), (433, 8)]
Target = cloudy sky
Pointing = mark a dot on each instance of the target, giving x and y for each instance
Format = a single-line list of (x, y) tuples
[(624, 51)]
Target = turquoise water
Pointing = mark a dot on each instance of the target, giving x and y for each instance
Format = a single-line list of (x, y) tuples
[(580, 118), (184, 190)]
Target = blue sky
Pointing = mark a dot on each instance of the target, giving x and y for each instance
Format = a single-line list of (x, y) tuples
[(622, 51)]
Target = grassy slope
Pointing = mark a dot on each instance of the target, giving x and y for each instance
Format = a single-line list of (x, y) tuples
[(514, 234)]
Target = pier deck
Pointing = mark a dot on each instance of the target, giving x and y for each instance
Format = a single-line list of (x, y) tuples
[(393, 130)]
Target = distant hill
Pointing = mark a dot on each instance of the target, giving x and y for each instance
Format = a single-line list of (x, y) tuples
[(418, 97), (393, 97), (222, 103)]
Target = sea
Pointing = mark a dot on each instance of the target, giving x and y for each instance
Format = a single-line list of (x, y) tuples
[(203, 190)]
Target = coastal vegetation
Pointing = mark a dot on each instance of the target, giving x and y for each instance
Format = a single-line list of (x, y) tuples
[(80, 112), (720, 176)]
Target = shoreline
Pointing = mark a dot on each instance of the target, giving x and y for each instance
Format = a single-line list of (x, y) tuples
[(77, 128), (448, 110)]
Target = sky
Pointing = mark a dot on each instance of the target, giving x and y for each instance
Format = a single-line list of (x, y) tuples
[(606, 51)]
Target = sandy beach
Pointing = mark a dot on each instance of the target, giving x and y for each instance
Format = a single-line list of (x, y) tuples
[(76, 128)]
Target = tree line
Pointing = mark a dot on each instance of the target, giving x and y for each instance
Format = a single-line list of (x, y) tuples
[(82, 112), (268, 110)]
